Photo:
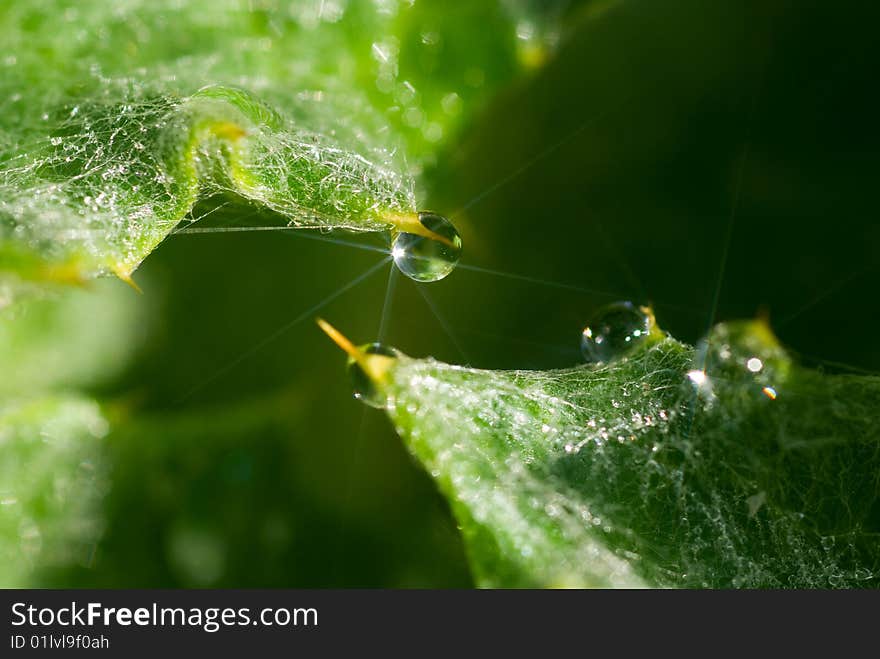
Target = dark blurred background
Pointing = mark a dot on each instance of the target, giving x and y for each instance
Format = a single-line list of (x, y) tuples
[(712, 158)]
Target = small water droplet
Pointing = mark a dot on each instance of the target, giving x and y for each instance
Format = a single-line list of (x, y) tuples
[(615, 330), (362, 386), (754, 364), (428, 259)]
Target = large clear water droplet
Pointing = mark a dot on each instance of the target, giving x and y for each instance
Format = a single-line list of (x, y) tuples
[(424, 258), (615, 330), (362, 386)]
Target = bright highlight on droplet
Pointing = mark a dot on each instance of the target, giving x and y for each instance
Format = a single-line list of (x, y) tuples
[(615, 330), (431, 255), (754, 364), (698, 377), (362, 385)]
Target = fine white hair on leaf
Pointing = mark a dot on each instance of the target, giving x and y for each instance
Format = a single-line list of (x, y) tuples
[(109, 182), (626, 474), (109, 138)]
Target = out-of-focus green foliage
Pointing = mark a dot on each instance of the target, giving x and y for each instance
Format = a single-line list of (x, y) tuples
[(52, 480), (225, 497), (82, 337), (53, 475)]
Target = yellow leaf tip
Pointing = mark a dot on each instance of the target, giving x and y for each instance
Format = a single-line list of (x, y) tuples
[(410, 223), (374, 365), (341, 340), (125, 275)]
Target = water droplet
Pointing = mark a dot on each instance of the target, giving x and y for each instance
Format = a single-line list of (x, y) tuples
[(362, 386), (423, 258), (614, 331)]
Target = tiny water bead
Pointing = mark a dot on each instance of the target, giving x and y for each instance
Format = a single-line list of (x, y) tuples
[(362, 385), (368, 366), (431, 255), (615, 330)]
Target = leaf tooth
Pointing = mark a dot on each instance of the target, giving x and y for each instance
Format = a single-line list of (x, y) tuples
[(376, 366), (410, 223), (124, 275)]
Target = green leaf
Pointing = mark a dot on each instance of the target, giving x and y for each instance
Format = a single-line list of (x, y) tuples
[(113, 123), (725, 466), (51, 483)]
